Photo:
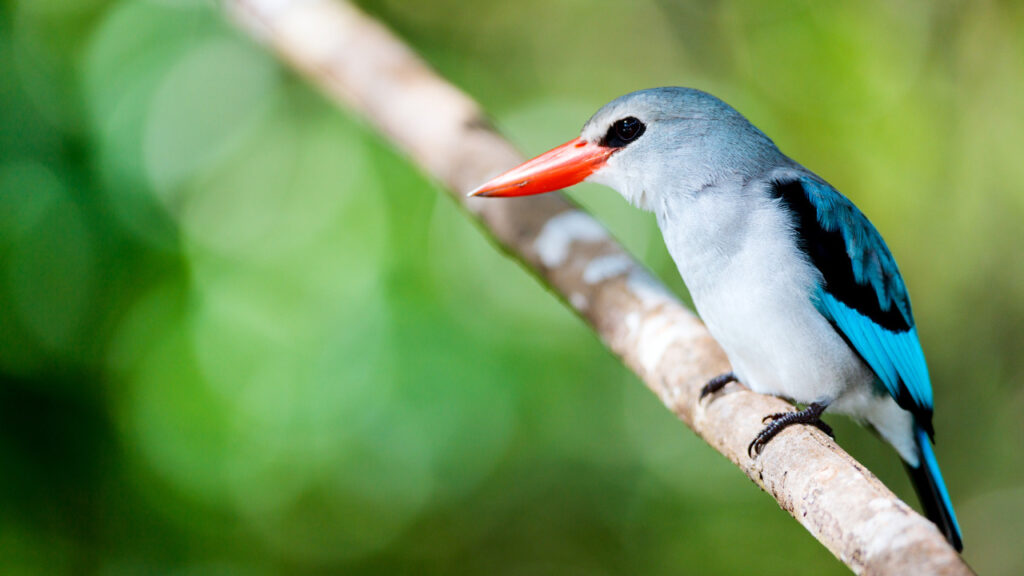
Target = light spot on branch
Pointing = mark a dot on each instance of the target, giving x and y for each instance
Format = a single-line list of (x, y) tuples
[(578, 301), (648, 289), (605, 267), (561, 231)]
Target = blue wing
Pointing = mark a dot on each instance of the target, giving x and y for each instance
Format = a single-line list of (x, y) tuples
[(862, 293), (863, 296)]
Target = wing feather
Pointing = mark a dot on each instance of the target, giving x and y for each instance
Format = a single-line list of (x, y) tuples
[(861, 293)]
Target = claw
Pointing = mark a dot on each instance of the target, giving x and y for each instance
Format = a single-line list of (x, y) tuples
[(782, 420), (717, 383), (754, 449), (773, 417)]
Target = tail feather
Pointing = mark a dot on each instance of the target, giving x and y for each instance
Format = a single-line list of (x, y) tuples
[(931, 490)]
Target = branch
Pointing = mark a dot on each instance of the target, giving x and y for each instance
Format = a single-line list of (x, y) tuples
[(359, 62)]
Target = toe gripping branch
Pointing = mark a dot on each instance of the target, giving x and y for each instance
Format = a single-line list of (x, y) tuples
[(717, 383), (782, 420)]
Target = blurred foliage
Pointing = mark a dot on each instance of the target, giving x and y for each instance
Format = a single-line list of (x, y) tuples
[(241, 335)]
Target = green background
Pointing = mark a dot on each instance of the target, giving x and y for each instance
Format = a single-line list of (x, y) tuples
[(239, 334)]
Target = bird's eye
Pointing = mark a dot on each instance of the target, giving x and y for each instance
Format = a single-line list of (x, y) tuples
[(624, 131)]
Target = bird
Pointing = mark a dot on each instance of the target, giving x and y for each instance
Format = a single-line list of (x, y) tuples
[(789, 276)]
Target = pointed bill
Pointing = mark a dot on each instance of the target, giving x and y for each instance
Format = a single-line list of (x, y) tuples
[(555, 169)]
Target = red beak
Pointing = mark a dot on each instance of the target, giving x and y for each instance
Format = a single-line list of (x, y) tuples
[(555, 169)]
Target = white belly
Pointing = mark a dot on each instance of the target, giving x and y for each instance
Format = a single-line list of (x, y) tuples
[(751, 285), (777, 342), (752, 288)]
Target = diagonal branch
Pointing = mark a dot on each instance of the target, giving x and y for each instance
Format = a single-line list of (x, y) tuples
[(360, 63)]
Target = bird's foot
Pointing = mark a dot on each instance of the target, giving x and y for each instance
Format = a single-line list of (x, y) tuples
[(717, 383), (778, 422)]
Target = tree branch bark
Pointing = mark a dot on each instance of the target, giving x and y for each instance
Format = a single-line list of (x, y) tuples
[(360, 63)]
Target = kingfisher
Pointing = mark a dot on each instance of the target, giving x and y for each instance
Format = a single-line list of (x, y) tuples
[(792, 280)]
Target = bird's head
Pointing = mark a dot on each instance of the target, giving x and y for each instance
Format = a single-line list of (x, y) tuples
[(648, 145)]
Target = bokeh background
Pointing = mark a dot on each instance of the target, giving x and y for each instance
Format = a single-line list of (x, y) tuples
[(239, 334)]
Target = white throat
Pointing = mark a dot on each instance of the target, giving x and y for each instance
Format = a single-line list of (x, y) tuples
[(631, 185)]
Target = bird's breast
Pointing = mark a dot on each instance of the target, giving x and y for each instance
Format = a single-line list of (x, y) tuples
[(753, 288)]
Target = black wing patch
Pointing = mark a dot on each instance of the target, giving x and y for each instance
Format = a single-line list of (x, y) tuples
[(857, 267)]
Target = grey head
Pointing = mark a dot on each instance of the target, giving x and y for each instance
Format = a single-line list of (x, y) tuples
[(674, 142)]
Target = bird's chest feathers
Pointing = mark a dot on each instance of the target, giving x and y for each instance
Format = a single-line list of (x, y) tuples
[(730, 244), (752, 287)]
